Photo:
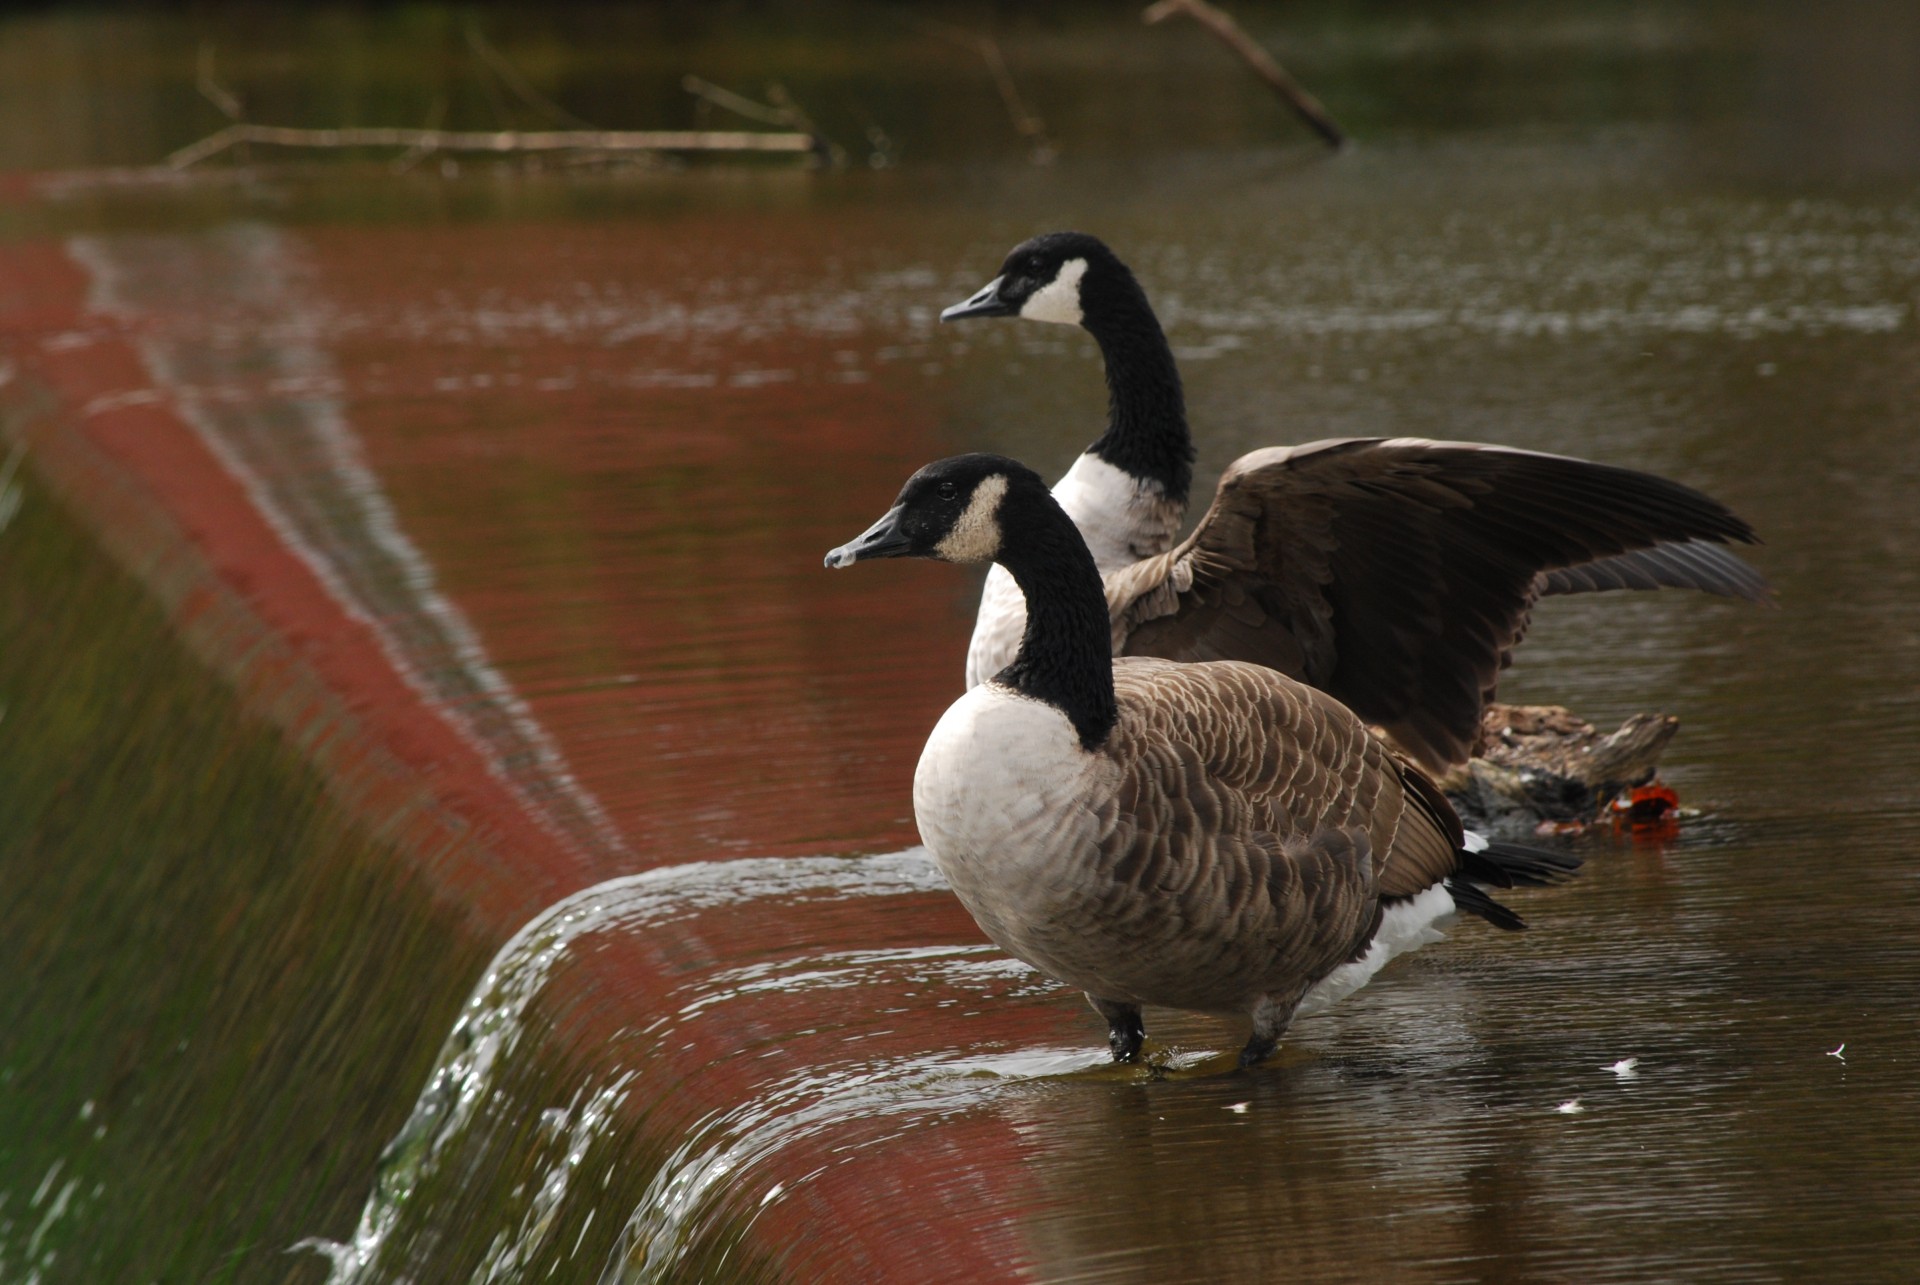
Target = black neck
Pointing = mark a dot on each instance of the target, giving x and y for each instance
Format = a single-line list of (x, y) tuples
[(1146, 410), (1066, 654)]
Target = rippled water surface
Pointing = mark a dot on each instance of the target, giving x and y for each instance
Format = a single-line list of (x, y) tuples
[(454, 830)]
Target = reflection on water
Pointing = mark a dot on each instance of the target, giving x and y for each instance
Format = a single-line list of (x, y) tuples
[(468, 605), (305, 472)]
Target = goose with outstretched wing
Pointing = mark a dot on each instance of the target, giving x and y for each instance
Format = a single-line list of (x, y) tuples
[(1396, 574)]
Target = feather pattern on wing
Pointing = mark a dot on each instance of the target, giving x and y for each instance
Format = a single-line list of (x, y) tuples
[(1687, 564), (1398, 574)]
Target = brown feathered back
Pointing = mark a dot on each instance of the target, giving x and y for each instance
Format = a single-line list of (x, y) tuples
[(1254, 829)]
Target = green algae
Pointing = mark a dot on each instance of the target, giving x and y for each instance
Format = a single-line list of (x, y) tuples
[(222, 991)]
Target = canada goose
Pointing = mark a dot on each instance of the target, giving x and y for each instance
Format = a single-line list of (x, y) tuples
[(1215, 836), (1396, 574)]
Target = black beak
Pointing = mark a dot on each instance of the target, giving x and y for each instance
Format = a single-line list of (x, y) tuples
[(884, 539), (987, 303)]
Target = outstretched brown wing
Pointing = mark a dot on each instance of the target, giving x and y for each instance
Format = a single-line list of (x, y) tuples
[(1687, 564), (1397, 574)]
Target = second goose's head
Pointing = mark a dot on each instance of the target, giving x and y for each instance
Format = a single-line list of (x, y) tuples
[(1073, 279), (1062, 277), (953, 510)]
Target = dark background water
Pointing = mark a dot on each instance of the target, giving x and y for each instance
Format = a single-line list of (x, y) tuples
[(396, 559)]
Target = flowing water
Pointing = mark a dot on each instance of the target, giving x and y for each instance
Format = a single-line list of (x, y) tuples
[(453, 830)]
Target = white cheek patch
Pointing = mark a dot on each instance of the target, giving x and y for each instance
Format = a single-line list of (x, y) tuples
[(1059, 300), (976, 533)]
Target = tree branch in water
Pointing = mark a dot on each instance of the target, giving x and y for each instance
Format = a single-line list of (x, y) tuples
[(501, 141), (1026, 122), (1291, 92)]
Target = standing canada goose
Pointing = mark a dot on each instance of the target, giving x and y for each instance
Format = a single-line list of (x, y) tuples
[(1396, 574), (1215, 837)]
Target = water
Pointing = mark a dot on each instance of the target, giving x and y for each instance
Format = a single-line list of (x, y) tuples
[(454, 827)]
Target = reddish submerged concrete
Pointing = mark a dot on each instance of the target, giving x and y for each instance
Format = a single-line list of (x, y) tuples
[(626, 543)]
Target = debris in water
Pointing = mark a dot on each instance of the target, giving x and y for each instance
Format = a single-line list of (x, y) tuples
[(1624, 1068), (1570, 1107), (1544, 763), (1840, 1052), (1650, 811), (1240, 1108)]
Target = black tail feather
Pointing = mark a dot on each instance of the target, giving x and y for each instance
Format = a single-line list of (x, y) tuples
[(1506, 865), (1474, 901), (1513, 865)]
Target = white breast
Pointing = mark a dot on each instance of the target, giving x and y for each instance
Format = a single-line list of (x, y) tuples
[(1123, 520), (1120, 515), (1002, 797), (997, 629)]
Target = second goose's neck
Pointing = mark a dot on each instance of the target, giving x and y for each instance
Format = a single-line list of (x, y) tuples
[(1146, 409), (1066, 654)]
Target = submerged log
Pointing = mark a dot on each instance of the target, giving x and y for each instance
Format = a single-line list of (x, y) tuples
[(1543, 763)]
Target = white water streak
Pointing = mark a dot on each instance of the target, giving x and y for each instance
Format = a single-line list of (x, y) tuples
[(265, 263), (493, 1020)]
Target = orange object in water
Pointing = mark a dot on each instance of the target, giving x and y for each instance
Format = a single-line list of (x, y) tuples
[(1650, 811)]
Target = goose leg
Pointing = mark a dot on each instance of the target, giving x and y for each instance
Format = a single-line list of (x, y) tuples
[(1271, 1017), (1124, 1029)]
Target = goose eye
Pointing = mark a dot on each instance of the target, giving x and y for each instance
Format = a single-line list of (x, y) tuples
[(947, 490)]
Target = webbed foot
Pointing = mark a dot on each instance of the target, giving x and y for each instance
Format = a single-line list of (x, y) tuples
[(1257, 1049), (1125, 1032), (1271, 1017)]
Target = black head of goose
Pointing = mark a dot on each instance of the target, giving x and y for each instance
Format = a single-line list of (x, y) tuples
[(1395, 573), (1214, 837), (1070, 278)]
